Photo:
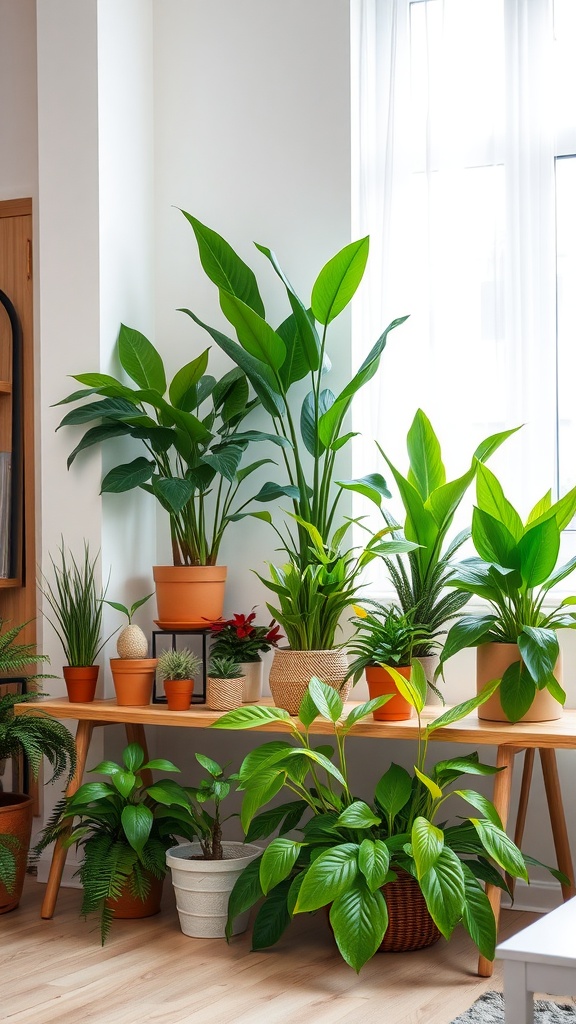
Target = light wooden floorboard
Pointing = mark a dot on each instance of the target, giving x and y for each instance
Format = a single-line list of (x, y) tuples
[(56, 972)]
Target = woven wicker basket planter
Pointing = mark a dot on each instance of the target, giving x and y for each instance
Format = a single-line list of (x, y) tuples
[(409, 923), (224, 694), (291, 671)]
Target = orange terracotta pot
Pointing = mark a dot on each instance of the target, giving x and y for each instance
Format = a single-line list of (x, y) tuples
[(128, 906), (133, 680), (178, 693), (492, 660), (81, 682), (15, 820), (189, 596), (380, 682)]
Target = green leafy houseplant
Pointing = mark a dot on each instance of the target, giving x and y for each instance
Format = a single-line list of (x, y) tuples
[(514, 572), (384, 635), (131, 642), (275, 360), (224, 666), (123, 828), (206, 824), (350, 850), (191, 432), (33, 734), (76, 603), (240, 637), (421, 576), (178, 664)]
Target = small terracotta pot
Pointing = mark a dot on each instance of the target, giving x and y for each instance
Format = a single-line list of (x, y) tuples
[(189, 596), (81, 682), (133, 680), (128, 906), (380, 682), (15, 820), (178, 693), (223, 694), (492, 660)]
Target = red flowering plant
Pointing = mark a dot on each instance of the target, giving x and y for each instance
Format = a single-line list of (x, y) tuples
[(240, 638)]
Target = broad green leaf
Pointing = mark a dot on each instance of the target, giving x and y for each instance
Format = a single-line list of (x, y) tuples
[(493, 541), (224, 267), (412, 692), (245, 893), (248, 470), (394, 789), (271, 491), (117, 409), (338, 280), (173, 495), (540, 650), (539, 549), (295, 366), (331, 874), (307, 712), (307, 335), (125, 477), (362, 711), (358, 815), (309, 414), (285, 815), (468, 631), (372, 486), (478, 916), (491, 499), (359, 920), (259, 758), (326, 699), (517, 691), (481, 803), (460, 711), (209, 765), (183, 391), (444, 501), (137, 822), (487, 447), (426, 467), (133, 757), (431, 786), (420, 525), (374, 861), (271, 782), (254, 333), (540, 508), (225, 461), (501, 848), (250, 717), (427, 844), (560, 574), (97, 435), (88, 792), (272, 918), (443, 889), (139, 358), (277, 862)]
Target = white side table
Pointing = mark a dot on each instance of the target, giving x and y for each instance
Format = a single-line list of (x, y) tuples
[(540, 958)]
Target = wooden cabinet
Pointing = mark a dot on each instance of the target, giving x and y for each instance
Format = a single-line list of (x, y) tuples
[(18, 574)]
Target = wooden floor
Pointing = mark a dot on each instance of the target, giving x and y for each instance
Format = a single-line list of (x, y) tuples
[(56, 971)]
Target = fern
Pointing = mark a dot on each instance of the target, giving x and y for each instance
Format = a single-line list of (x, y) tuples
[(8, 844)]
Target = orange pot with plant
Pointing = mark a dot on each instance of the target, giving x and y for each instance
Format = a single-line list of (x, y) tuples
[(177, 670)]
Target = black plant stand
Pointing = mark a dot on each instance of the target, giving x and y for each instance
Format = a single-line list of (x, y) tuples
[(197, 698)]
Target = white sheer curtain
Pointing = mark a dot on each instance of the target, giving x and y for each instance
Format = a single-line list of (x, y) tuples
[(454, 180)]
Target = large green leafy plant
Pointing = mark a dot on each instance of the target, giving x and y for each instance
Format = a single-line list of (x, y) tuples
[(514, 572), (349, 849), (421, 576), (191, 433), (311, 421)]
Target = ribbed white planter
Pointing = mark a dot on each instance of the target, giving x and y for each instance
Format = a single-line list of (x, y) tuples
[(252, 684), (203, 887)]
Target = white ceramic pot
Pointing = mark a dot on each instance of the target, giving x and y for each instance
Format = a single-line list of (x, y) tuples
[(203, 887), (252, 685)]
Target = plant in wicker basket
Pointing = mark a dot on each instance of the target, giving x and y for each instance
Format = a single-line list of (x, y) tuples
[(353, 856)]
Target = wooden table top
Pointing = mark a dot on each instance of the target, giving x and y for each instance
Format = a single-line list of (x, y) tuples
[(556, 735)]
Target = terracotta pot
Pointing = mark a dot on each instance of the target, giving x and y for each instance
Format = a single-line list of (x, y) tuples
[(178, 693), (128, 906), (15, 820), (133, 680), (291, 672), (252, 683), (223, 694), (81, 683), (189, 596), (492, 660), (380, 682)]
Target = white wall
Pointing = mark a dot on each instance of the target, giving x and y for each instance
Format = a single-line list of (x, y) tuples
[(18, 124)]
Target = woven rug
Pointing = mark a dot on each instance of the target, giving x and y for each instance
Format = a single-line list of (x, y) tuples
[(489, 1009)]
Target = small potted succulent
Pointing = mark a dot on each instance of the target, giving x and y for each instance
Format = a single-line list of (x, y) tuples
[(132, 671), (240, 638), (224, 683), (385, 637), (177, 670)]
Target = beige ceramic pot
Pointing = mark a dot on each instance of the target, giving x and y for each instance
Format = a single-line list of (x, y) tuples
[(492, 660), (252, 686), (291, 672)]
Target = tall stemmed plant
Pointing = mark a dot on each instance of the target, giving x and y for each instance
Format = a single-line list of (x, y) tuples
[(76, 601)]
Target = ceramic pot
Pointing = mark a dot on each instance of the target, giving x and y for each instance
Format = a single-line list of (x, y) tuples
[(203, 887), (380, 682), (252, 685), (189, 596), (492, 660), (15, 820), (127, 906), (81, 683), (224, 694), (291, 672), (133, 680), (178, 693)]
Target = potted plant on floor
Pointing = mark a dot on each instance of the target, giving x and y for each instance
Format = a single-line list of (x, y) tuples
[(205, 871), (318, 568), (224, 683), (385, 636), (35, 736), (245, 641), (363, 861), (123, 828), (514, 572), (76, 602), (192, 436), (132, 671), (421, 576), (177, 670)]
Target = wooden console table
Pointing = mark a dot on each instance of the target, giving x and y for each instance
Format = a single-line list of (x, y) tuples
[(509, 739)]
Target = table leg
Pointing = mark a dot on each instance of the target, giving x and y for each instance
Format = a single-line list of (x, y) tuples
[(501, 800), (135, 734), (522, 806), (518, 1001), (83, 737), (557, 818)]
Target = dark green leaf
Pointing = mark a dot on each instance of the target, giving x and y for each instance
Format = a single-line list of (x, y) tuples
[(277, 862), (272, 918), (331, 874), (125, 477), (139, 358), (224, 267), (359, 919)]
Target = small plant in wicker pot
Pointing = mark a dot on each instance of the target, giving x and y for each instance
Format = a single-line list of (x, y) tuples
[(241, 638), (177, 669), (224, 684)]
